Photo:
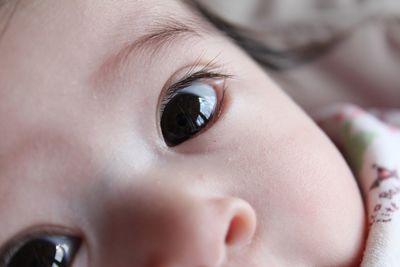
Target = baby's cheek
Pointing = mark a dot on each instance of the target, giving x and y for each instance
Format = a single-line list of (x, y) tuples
[(306, 197)]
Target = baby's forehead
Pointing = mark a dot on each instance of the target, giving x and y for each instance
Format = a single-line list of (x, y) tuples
[(42, 40), (51, 47)]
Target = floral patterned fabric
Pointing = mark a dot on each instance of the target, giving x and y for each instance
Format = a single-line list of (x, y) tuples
[(370, 142)]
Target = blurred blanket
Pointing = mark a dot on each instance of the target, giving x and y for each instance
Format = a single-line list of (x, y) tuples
[(370, 141), (362, 68)]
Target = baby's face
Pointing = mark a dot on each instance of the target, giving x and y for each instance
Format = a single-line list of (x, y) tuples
[(136, 127)]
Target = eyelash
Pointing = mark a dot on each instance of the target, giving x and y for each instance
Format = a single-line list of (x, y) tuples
[(207, 73)]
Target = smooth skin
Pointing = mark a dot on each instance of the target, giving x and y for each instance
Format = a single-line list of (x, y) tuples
[(81, 148)]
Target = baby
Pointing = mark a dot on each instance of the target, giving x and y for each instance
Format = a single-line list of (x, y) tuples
[(133, 133)]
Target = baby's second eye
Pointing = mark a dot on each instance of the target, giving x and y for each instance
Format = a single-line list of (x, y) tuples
[(47, 251), (188, 112)]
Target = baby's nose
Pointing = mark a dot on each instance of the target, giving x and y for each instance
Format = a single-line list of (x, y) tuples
[(181, 230)]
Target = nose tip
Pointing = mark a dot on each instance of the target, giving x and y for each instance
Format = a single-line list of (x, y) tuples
[(174, 228), (217, 229), (211, 231)]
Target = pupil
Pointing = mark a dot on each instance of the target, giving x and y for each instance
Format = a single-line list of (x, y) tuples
[(181, 120)]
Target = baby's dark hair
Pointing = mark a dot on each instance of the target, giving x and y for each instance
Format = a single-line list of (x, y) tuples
[(6, 13), (271, 58)]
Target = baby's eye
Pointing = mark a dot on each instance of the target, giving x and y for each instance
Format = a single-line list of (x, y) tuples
[(192, 105), (42, 251), (188, 110)]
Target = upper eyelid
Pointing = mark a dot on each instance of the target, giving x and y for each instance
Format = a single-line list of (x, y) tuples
[(211, 70), (199, 75), (202, 74), (199, 67)]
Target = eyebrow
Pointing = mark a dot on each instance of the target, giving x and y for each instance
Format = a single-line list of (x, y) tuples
[(167, 30), (161, 33)]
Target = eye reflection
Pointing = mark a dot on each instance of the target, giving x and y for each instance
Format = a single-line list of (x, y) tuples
[(61, 252), (188, 112)]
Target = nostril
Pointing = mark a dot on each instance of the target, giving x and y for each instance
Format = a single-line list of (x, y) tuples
[(241, 227), (235, 232)]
